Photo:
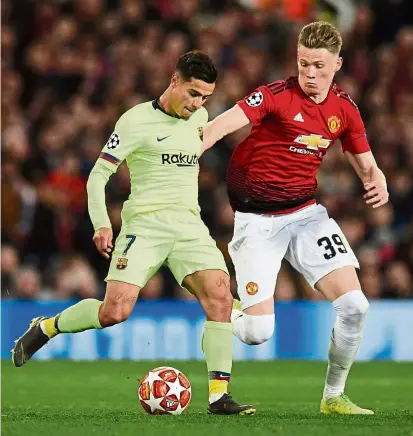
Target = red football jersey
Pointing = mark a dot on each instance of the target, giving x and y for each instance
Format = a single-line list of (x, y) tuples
[(274, 169)]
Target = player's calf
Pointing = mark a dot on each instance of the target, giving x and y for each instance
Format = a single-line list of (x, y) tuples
[(351, 309), (217, 307), (211, 287)]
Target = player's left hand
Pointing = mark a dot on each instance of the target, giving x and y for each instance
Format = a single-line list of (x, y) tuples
[(103, 241), (377, 194)]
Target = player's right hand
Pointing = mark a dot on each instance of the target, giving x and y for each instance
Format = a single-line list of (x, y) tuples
[(103, 241)]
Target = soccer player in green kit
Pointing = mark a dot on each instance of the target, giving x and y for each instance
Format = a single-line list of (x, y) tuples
[(161, 141)]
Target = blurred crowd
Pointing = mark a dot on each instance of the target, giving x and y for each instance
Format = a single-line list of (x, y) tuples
[(70, 68)]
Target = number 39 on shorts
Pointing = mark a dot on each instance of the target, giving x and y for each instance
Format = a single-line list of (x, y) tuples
[(332, 244)]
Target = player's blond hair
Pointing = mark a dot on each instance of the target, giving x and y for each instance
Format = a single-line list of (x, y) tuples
[(321, 34)]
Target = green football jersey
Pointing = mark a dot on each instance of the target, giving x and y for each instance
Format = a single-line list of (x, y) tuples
[(161, 153)]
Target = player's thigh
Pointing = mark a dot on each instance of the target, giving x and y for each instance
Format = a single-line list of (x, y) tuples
[(257, 249), (321, 253), (338, 282), (194, 250), (140, 250)]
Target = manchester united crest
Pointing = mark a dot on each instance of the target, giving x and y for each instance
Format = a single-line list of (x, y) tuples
[(251, 288), (334, 124), (201, 133)]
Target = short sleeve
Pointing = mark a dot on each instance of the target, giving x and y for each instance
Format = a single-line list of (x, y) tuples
[(121, 143), (354, 138), (258, 104)]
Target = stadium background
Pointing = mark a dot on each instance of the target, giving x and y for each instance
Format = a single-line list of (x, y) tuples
[(70, 68)]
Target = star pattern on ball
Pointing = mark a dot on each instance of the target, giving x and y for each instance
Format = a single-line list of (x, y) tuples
[(164, 390), (152, 376), (175, 388), (153, 403)]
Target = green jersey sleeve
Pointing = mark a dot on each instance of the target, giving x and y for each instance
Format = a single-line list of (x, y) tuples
[(96, 183), (121, 143)]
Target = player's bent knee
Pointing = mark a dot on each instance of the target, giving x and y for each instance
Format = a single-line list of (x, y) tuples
[(363, 305), (355, 304), (110, 319), (351, 309), (119, 302), (114, 315), (258, 328)]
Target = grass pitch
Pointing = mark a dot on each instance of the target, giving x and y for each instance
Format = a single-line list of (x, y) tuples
[(62, 398)]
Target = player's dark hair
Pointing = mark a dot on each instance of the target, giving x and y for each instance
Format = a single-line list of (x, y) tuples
[(198, 65)]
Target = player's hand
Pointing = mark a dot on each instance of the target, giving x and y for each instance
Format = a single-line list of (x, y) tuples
[(103, 241), (377, 194)]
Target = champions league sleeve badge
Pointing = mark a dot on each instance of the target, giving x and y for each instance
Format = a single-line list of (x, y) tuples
[(113, 141), (255, 99)]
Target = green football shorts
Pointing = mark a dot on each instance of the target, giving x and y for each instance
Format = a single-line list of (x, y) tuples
[(179, 239)]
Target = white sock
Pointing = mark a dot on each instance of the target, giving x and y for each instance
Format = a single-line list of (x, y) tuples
[(43, 328), (253, 329), (235, 314), (215, 397), (351, 309)]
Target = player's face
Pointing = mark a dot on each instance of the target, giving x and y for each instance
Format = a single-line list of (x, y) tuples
[(190, 95), (316, 69)]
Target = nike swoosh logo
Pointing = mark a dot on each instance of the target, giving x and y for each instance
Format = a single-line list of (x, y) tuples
[(223, 377), (161, 139)]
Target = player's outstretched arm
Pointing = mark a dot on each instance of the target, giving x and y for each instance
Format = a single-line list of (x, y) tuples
[(373, 179), (226, 123), (96, 183)]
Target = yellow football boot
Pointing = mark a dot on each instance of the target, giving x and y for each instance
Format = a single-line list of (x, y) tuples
[(342, 405)]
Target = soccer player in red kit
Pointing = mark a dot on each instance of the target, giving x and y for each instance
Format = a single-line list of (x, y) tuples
[(271, 186)]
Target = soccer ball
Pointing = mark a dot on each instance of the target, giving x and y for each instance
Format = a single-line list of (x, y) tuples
[(164, 390)]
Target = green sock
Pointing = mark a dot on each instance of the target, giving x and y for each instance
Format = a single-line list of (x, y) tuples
[(80, 317), (217, 347)]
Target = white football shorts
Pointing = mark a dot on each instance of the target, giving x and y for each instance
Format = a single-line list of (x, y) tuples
[(309, 239)]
